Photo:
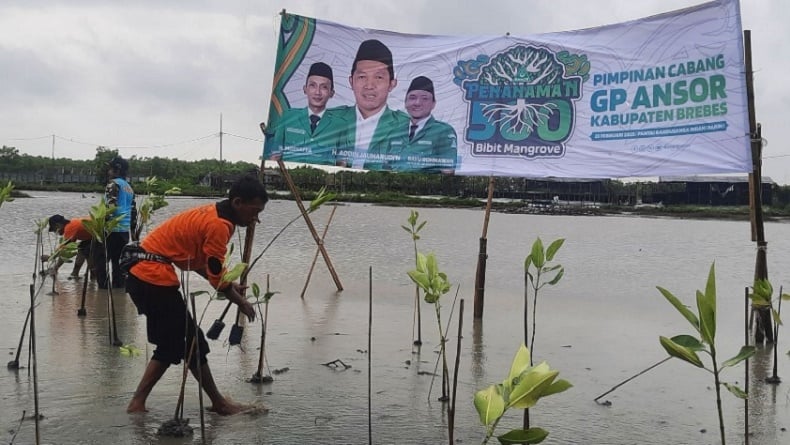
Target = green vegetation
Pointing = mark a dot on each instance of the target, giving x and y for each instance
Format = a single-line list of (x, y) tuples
[(686, 347), (523, 387)]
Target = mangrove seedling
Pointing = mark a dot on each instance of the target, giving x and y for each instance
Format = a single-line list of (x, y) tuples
[(762, 297), (523, 387), (414, 231), (258, 377), (536, 266), (99, 225), (152, 202), (686, 347), (434, 284), (5, 193)]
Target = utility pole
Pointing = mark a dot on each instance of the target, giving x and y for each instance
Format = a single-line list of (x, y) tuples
[(221, 177)]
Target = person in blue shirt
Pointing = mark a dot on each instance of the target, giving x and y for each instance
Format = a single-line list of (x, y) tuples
[(120, 194)]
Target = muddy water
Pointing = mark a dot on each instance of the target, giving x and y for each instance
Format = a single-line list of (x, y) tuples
[(598, 327)]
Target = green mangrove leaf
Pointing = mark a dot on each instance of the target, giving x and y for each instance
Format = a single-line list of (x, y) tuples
[(761, 292), (420, 278), (557, 387), (413, 217), (268, 296), (530, 386), (707, 318), (537, 253), (785, 297), (520, 363), (129, 350), (687, 341), (256, 290), (198, 293), (489, 405), (553, 248), (321, 198), (557, 278), (686, 312), (234, 273), (530, 436), (743, 354), (775, 315), (408, 229), (681, 352), (736, 391), (422, 224), (431, 266), (527, 263)]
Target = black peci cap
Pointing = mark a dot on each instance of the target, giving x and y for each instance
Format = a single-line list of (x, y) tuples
[(374, 50), (320, 69), (421, 83), (55, 220)]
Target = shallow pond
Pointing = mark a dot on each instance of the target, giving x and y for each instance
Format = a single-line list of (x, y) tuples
[(598, 327)]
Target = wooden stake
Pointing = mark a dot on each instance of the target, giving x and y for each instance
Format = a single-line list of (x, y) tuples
[(480, 276), (306, 216), (764, 331), (317, 251)]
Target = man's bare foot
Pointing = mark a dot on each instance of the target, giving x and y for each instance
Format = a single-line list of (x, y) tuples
[(135, 407)]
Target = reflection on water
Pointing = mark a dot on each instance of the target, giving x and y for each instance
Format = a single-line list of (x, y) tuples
[(598, 326)]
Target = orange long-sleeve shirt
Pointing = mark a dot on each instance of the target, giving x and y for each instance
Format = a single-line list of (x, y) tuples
[(188, 239), (74, 231)]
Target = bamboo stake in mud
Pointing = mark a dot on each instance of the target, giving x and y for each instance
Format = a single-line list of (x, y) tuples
[(258, 377), (480, 276), (199, 372), (764, 330), (14, 364), (774, 379), (114, 340), (309, 222), (34, 365), (631, 378), (370, 353), (81, 312), (746, 367), (451, 410), (317, 251)]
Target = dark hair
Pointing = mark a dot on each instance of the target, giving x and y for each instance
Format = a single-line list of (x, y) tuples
[(248, 187), (119, 164)]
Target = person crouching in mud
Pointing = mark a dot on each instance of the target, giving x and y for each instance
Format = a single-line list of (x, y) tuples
[(194, 240)]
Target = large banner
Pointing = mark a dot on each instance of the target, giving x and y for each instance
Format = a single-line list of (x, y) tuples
[(663, 95)]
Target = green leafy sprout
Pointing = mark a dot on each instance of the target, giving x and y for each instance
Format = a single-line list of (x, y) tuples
[(524, 386), (5, 193), (688, 347)]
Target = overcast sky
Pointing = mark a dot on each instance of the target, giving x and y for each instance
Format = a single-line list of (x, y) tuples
[(151, 78)]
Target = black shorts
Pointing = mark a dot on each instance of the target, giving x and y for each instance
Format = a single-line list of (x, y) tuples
[(168, 322), (84, 247)]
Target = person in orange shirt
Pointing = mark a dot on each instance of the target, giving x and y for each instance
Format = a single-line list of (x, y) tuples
[(194, 240), (72, 231)]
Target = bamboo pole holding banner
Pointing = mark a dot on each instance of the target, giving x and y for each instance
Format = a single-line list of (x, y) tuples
[(764, 330), (298, 198), (291, 186), (480, 276), (317, 251)]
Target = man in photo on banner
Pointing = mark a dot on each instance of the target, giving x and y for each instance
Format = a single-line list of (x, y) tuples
[(375, 134), (432, 144), (310, 134)]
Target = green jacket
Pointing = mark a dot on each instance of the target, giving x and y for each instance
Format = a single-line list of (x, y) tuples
[(434, 148), (386, 145), (293, 139)]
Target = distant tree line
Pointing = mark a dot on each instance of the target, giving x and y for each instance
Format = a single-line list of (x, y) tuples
[(212, 177)]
